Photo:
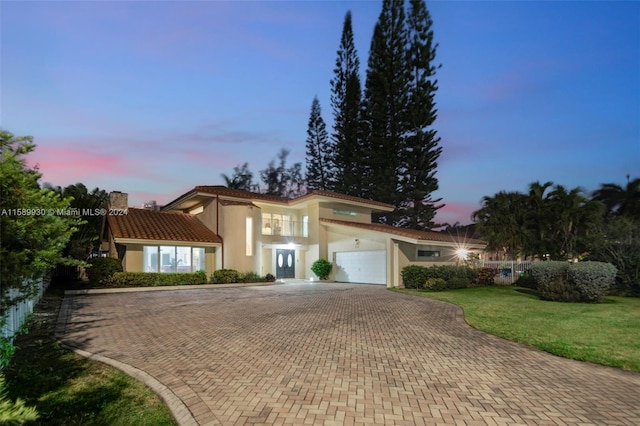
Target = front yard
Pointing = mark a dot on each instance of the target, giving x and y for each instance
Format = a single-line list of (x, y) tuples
[(607, 333)]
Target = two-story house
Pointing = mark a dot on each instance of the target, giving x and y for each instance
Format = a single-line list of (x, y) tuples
[(214, 227)]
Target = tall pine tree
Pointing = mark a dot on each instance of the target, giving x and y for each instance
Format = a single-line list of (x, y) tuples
[(386, 101), (346, 100), (420, 150), (320, 172)]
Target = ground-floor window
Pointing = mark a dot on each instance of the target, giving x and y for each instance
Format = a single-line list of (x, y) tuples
[(173, 259), (428, 253)]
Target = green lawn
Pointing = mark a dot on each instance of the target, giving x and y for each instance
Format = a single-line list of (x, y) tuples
[(68, 389), (607, 333)]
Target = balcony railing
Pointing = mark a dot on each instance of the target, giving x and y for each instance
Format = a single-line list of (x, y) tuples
[(287, 228)]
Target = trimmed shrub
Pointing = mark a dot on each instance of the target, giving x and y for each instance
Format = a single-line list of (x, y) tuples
[(526, 280), (102, 268), (225, 276), (202, 274), (269, 278), (485, 276), (155, 279), (592, 280), (577, 282), (322, 268), (414, 276), (458, 282), (551, 280), (435, 284), (252, 277)]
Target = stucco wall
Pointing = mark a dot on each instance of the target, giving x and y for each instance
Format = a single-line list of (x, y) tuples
[(233, 231), (133, 258), (337, 211)]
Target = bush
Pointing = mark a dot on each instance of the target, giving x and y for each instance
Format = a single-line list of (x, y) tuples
[(434, 284), (414, 276), (252, 277), (14, 412), (102, 268), (551, 280), (526, 280), (269, 278), (592, 280), (155, 279), (322, 268), (578, 282), (458, 282), (225, 276), (203, 275), (485, 276)]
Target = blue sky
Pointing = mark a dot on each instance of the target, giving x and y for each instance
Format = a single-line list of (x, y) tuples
[(153, 98)]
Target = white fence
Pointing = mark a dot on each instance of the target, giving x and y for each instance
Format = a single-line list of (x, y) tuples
[(16, 314), (508, 270)]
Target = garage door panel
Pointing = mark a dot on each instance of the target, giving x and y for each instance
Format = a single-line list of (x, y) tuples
[(367, 266)]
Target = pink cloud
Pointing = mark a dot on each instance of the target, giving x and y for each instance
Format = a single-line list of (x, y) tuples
[(71, 164), (455, 211)]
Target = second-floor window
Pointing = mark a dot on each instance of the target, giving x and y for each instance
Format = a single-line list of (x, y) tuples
[(277, 224)]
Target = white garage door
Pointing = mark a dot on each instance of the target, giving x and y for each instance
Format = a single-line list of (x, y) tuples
[(362, 266)]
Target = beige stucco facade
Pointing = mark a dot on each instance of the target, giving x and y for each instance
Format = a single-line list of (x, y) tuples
[(271, 235)]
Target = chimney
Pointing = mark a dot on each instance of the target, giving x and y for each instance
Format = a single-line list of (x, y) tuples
[(118, 200)]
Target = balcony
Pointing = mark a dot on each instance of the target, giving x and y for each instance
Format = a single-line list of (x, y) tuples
[(285, 228)]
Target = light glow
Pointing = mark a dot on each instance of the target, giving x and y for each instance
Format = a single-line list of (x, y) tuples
[(462, 253)]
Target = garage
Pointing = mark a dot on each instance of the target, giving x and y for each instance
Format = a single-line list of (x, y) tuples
[(366, 266)]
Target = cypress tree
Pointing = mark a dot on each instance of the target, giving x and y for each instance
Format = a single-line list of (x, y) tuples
[(420, 150), (346, 100), (318, 155), (386, 99)]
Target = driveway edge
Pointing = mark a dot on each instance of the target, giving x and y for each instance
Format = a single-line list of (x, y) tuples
[(176, 406)]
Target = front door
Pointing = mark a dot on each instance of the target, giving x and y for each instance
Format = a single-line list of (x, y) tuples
[(285, 263)]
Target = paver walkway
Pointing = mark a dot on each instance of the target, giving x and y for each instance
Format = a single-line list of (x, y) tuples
[(337, 354)]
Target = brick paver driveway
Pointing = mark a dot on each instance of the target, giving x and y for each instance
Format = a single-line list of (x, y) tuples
[(337, 354)]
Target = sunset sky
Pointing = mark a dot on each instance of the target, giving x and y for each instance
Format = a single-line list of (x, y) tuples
[(153, 98)]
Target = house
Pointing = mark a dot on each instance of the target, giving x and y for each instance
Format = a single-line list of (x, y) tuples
[(214, 227)]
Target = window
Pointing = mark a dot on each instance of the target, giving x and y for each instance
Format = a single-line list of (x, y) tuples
[(305, 226), (249, 236), (150, 259), (428, 252), (173, 259), (344, 212), (276, 224), (197, 259)]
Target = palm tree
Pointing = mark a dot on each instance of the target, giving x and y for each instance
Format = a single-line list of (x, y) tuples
[(538, 219), (501, 222), (620, 201), (573, 215)]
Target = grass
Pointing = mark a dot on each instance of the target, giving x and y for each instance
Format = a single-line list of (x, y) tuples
[(607, 333), (68, 389)]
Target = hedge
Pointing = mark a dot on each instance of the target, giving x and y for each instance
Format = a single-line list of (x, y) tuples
[(155, 279), (445, 276), (229, 276)]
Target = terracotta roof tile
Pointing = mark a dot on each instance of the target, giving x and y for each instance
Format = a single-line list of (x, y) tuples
[(404, 232), (344, 197), (239, 193), (165, 226)]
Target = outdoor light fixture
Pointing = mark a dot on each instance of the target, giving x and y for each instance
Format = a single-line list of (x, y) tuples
[(462, 253)]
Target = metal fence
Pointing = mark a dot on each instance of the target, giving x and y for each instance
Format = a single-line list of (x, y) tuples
[(15, 315), (508, 271)]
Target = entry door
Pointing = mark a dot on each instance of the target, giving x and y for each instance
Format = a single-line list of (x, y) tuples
[(285, 263)]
